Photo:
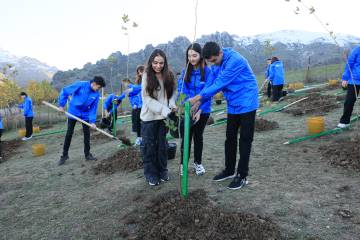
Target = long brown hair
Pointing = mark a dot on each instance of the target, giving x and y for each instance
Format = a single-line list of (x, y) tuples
[(153, 83), (189, 67), (140, 68)]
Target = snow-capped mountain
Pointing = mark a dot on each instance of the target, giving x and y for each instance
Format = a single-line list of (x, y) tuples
[(298, 37), (26, 68)]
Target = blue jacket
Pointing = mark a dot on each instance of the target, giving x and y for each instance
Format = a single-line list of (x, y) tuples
[(353, 65), (267, 72), (195, 86), (108, 103), (237, 81), (277, 73), (1, 123), (135, 96), (84, 100), (27, 106)]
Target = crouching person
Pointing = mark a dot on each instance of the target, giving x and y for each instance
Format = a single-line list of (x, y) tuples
[(83, 104), (158, 95), (111, 115)]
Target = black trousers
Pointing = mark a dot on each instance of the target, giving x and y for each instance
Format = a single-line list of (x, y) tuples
[(154, 149), (70, 132), (349, 103), (0, 143), (196, 134), (246, 123), (28, 126), (268, 90), (111, 119), (277, 92), (136, 121)]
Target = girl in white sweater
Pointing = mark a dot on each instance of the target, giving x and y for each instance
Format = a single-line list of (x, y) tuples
[(158, 96)]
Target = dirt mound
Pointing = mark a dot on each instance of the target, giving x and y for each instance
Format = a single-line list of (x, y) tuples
[(345, 154), (265, 125), (168, 216), (9, 148), (315, 104), (127, 159)]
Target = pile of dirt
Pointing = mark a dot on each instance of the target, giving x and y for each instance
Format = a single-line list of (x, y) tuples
[(128, 159), (345, 154), (265, 125), (315, 104), (168, 216), (9, 148)]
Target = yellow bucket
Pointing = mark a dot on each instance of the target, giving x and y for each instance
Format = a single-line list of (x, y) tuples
[(315, 125), (38, 149), (333, 82), (299, 85), (21, 132), (36, 129), (291, 86)]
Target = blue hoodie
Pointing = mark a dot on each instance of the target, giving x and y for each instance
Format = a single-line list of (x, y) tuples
[(108, 103), (276, 73), (27, 106), (237, 81), (354, 66), (194, 87), (135, 96), (84, 100), (1, 123)]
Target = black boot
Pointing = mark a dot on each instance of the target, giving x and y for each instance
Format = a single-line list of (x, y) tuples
[(62, 160)]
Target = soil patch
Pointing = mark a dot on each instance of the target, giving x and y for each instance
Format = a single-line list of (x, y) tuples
[(315, 104), (128, 159), (9, 148), (168, 216), (345, 154), (265, 125)]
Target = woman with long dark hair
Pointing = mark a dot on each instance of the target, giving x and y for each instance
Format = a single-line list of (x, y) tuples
[(193, 79), (158, 96)]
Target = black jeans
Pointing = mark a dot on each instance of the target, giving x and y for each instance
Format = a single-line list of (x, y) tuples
[(196, 133), (28, 126), (154, 149), (111, 119), (268, 90), (349, 103), (277, 92), (70, 132), (0, 143), (246, 122), (136, 121)]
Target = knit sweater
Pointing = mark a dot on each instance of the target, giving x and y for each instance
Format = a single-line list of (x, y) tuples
[(159, 108)]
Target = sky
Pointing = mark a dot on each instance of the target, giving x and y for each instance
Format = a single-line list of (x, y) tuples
[(70, 33)]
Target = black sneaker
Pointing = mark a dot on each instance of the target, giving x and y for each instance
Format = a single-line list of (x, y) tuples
[(63, 159), (90, 157), (153, 182), (165, 178), (223, 176), (238, 182)]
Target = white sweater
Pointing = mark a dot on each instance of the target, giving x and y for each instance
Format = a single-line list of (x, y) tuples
[(155, 109)]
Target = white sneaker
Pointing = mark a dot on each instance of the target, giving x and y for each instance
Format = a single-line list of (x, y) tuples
[(181, 169), (343, 125), (199, 169), (26, 138), (138, 141)]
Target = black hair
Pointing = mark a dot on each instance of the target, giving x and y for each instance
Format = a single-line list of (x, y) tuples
[(152, 83), (189, 67), (269, 59), (23, 94), (99, 81), (140, 68), (210, 49), (274, 59)]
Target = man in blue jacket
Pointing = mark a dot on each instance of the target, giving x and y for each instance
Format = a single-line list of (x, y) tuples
[(277, 78), (83, 104), (28, 114), (108, 106), (235, 78), (351, 81)]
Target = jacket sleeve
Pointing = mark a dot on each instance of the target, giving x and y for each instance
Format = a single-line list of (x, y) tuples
[(92, 115), (154, 105), (135, 90), (67, 91), (231, 71), (349, 66), (209, 80)]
